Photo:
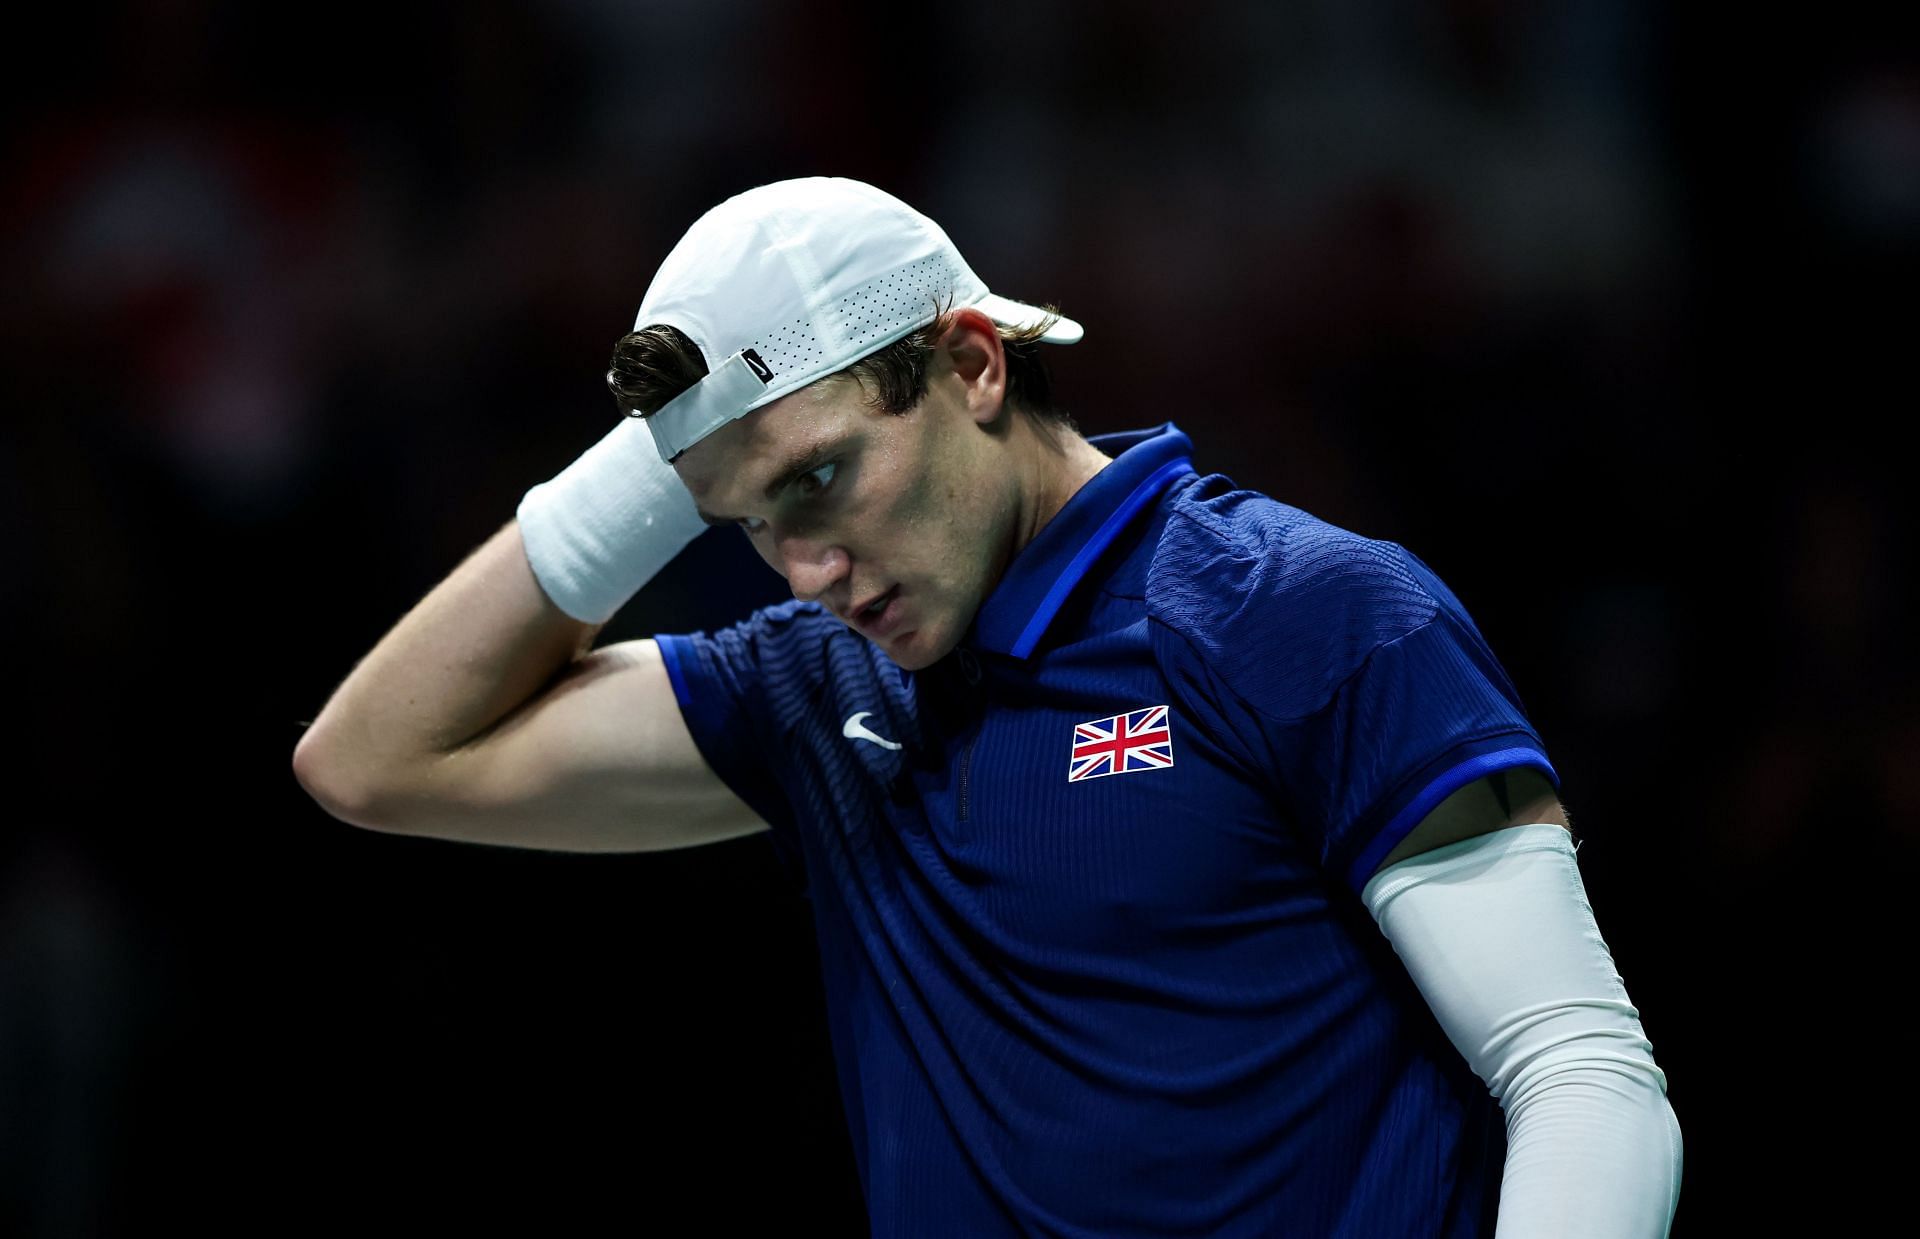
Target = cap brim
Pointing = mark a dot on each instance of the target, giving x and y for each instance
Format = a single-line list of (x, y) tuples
[(1019, 314)]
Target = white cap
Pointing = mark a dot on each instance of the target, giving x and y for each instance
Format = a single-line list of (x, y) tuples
[(788, 282)]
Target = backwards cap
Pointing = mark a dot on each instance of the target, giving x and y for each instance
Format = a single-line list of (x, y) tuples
[(788, 282)]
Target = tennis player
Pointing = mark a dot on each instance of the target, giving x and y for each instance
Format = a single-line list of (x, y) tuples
[(1182, 864)]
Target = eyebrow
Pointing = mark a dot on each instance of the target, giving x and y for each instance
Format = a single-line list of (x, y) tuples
[(804, 462)]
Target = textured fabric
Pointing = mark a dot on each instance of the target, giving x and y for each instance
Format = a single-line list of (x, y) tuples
[(1148, 1002)]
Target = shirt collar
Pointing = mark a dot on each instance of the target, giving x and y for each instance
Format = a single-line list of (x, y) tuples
[(1040, 578)]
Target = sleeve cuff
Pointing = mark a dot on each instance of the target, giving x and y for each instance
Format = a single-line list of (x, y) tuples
[(704, 705), (673, 654), (1458, 767)]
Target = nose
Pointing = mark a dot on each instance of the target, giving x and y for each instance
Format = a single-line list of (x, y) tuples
[(812, 567)]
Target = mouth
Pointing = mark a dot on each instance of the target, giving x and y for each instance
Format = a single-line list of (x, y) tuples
[(877, 615)]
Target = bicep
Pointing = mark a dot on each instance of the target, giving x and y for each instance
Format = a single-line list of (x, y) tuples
[(1516, 796), (601, 761)]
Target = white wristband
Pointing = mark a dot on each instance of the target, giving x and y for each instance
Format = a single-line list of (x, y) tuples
[(608, 522)]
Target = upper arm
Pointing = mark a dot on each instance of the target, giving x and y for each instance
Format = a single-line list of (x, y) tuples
[(601, 761), (1513, 797)]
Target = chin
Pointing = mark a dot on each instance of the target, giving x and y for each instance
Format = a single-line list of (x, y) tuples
[(918, 650)]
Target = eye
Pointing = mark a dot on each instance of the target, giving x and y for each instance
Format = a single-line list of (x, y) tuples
[(816, 480)]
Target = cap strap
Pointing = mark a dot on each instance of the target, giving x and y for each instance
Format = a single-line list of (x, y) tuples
[(709, 404)]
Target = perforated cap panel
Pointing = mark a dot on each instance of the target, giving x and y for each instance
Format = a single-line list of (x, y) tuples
[(870, 317)]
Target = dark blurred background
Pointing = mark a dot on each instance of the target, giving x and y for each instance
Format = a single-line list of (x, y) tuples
[(1602, 308)]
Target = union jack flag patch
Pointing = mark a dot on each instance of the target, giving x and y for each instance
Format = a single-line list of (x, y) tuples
[(1137, 740)]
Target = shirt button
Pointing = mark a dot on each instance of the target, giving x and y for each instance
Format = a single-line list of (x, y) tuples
[(969, 666)]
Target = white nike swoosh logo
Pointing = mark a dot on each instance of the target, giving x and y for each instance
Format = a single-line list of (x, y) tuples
[(855, 729)]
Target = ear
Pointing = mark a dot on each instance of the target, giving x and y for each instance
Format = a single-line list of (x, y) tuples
[(971, 348)]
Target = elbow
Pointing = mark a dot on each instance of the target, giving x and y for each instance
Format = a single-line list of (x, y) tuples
[(332, 785), (1593, 1145)]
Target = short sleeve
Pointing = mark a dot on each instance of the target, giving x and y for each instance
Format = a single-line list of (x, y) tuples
[(1341, 670), (1425, 715), (1426, 712), (719, 680)]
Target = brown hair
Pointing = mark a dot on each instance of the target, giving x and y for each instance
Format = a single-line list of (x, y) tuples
[(658, 362)]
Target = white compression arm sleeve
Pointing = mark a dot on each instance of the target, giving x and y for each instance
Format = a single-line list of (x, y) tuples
[(1498, 935), (607, 523)]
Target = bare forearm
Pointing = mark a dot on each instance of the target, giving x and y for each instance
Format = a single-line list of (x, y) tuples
[(485, 640)]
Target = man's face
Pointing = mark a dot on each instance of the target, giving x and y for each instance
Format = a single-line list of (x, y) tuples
[(899, 524)]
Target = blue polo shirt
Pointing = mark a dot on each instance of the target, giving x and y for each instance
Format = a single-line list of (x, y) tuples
[(1087, 889)]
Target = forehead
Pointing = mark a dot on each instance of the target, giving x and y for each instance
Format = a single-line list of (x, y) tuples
[(737, 460)]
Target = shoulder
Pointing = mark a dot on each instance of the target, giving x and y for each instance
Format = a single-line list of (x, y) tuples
[(1280, 603), (795, 620), (779, 664), (784, 632)]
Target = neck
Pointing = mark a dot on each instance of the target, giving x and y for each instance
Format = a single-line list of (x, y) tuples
[(1057, 466)]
